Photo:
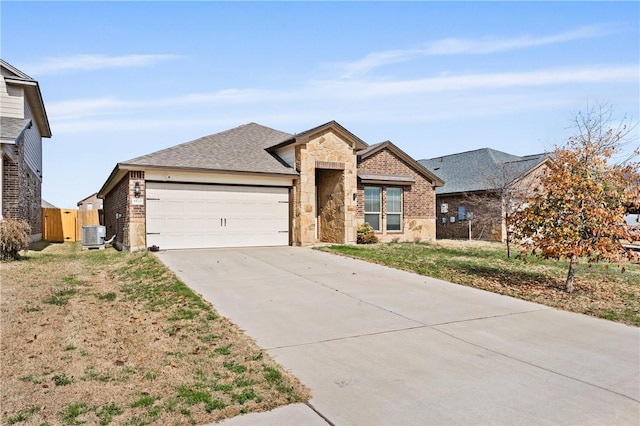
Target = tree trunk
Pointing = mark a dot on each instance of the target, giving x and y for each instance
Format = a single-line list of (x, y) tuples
[(573, 260), (508, 235)]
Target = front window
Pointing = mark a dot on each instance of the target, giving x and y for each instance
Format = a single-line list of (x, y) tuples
[(394, 209), (372, 206), (462, 213)]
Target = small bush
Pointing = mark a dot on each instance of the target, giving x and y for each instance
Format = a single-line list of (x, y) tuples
[(14, 237), (366, 234)]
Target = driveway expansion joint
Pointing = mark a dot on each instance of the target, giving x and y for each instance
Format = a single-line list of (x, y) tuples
[(322, 416)]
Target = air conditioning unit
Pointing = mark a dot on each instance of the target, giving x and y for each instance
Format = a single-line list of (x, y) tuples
[(93, 236)]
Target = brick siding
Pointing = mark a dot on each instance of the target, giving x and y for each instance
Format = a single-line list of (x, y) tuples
[(418, 199), (118, 201), (22, 191), (486, 223)]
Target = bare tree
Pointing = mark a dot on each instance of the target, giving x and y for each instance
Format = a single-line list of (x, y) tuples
[(509, 184)]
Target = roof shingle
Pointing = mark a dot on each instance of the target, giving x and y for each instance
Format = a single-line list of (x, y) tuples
[(241, 149), (12, 128), (478, 170)]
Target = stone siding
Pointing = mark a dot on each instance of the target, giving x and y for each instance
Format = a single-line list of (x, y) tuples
[(418, 203), (130, 227), (22, 190), (324, 150)]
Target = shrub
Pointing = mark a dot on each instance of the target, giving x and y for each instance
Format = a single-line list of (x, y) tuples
[(14, 237), (366, 234)]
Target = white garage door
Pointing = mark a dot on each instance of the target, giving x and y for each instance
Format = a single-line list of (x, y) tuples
[(206, 216)]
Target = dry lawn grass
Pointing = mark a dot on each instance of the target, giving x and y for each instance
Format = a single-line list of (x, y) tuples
[(602, 290), (103, 337)]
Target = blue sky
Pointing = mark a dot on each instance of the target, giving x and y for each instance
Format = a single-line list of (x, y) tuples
[(123, 79)]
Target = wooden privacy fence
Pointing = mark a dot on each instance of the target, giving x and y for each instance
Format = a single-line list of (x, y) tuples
[(60, 225)]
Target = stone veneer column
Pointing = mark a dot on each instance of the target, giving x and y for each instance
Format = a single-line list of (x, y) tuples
[(325, 147)]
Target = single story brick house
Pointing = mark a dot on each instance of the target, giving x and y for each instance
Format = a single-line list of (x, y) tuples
[(92, 202), (481, 187), (256, 186)]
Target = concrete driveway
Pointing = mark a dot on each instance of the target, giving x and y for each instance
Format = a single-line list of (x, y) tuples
[(381, 346)]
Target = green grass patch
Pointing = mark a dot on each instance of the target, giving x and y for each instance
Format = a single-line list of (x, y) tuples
[(602, 290), (31, 308), (144, 401), (192, 395), (107, 297), (223, 350), (106, 413), (245, 395), (61, 297), (70, 415), (92, 375), (183, 314), (72, 280), (61, 380), (234, 366), (22, 416)]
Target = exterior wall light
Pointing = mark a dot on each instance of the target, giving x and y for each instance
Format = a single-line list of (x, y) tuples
[(136, 189)]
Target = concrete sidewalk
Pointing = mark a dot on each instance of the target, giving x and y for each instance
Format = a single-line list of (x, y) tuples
[(381, 346)]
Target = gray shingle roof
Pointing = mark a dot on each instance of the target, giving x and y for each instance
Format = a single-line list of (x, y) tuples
[(11, 128), (478, 170), (240, 149)]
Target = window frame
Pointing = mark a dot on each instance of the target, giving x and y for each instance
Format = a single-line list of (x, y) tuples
[(399, 213), (371, 212)]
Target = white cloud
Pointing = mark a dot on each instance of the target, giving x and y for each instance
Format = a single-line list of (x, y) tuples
[(455, 46), (447, 83), (361, 99), (75, 63)]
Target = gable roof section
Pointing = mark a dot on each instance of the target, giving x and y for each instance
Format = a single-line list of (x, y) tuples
[(32, 93), (372, 149), (95, 194), (307, 134), (478, 170), (242, 149), (46, 205)]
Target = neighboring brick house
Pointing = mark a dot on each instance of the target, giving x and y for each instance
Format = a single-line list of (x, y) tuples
[(256, 186), (92, 202), (481, 187), (23, 124)]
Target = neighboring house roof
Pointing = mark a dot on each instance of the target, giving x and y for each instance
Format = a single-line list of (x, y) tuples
[(478, 170), (32, 94), (46, 205), (372, 149), (242, 149), (11, 129), (94, 195)]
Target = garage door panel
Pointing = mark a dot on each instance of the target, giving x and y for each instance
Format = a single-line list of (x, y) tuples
[(205, 216)]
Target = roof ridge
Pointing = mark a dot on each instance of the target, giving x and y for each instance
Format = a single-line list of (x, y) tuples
[(20, 74), (455, 154)]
